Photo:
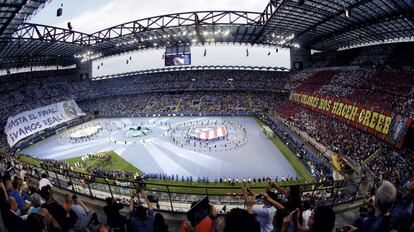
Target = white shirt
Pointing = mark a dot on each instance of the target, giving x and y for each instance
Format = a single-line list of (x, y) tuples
[(305, 216), (265, 217), (43, 182), (22, 174)]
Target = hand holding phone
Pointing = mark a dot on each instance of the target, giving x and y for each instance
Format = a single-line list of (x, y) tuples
[(295, 213), (259, 196)]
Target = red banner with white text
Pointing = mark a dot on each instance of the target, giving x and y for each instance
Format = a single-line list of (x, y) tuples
[(386, 125)]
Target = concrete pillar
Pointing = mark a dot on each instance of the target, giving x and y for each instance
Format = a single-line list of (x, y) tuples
[(84, 70), (299, 58)]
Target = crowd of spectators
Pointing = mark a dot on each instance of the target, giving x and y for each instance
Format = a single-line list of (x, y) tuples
[(391, 90), (21, 93), (24, 207), (187, 102), (350, 142), (384, 56), (372, 80)]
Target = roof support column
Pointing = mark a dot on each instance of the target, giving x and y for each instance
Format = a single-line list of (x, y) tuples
[(299, 58)]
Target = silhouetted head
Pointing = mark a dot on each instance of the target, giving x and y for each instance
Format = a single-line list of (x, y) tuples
[(322, 219), (241, 220)]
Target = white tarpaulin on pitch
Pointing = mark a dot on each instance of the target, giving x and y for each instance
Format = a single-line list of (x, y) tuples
[(29, 122)]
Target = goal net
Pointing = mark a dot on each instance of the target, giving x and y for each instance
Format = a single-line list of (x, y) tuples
[(268, 132)]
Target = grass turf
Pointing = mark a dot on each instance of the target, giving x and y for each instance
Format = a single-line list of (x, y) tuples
[(118, 163), (294, 161)]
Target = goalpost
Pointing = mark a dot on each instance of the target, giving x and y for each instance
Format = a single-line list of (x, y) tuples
[(268, 132)]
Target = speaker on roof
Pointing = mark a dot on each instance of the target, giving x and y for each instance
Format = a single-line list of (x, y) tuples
[(301, 2), (69, 26), (59, 12), (347, 13)]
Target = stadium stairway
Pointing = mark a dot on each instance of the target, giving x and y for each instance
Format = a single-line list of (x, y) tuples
[(199, 104), (250, 101), (372, 157), (148, 106), (177, 108)]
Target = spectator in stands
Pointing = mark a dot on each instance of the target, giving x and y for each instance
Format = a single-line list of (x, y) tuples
[(23, 172), (51, 224), (24, 191), (67, 203), (54, 208), (79, 208), (240, 220), (10, 218), (293, 201), (35, 223), (381, 220), (293, 196), (104, 228), (159, 223), (11, 187), (402, 211), (44, 181), (140, 218), (36, 204), (265, 214), (307, 212), (205, 225), (85, 219), (321, 220), (113, 217)]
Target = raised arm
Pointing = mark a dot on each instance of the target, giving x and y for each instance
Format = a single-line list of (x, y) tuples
[(278, 188), (273, 202), (249, 203), (131, 201), (83, 206), (144, 195)]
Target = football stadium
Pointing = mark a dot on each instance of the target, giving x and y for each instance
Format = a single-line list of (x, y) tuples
[(199, 115)]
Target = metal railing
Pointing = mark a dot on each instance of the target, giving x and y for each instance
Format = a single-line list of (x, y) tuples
[(178, 197)]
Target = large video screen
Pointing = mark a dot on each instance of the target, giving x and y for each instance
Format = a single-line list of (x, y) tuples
[(173, 60)]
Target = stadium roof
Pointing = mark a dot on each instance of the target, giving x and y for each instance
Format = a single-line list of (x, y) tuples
[(14, 12), (321, 25)]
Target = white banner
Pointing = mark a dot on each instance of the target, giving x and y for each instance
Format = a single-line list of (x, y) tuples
[(29, 122)]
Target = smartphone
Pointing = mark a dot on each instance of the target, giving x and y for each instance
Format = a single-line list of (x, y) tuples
[(259, 197), (199, 211)]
